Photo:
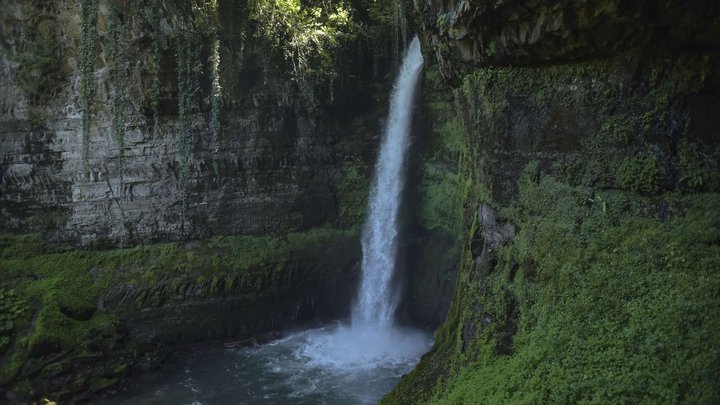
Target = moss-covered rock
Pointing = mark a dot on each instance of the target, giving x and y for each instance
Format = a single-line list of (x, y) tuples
[(604, 162), (77, 320)]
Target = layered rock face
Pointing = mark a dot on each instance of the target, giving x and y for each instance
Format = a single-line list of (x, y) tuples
[(278, 165), (484, 33)]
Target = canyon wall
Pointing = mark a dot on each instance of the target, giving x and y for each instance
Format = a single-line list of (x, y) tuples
[(173, 172), (576, 143), (282, 159)]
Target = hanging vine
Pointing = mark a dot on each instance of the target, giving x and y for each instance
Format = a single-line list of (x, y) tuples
[(306, 32), (119, 77), (153, 16), (215, 89), (88, 45), (403, 23), (187, 71)]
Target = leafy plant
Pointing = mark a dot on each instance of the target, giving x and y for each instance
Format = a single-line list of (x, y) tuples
[(38, 69), (188, 68), (306, 34), (641, 173), (696, 168)]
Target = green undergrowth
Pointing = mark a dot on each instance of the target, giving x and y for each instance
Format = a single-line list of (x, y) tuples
[(609, 292), (52, 293), (613, 295)]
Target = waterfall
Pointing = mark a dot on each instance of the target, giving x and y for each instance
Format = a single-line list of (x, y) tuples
[(376, 304), (372, 345)]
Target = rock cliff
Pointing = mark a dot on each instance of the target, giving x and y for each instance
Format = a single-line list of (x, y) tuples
[(277, 163), (585, 128)]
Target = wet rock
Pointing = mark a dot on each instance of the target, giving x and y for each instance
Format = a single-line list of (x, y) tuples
[(541, 31), (492, 232), (278, 168)]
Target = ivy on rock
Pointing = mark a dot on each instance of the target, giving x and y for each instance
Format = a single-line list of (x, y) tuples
[(88, 51)]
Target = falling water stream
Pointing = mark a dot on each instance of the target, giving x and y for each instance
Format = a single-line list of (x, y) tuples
[(340, 364)]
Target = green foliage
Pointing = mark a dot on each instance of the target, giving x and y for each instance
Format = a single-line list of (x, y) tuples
[(698, 168), (306, 33), (447, 163), (442, 22), (596, 291), (37, 69), (13, 311), (39, 72), (66, 285), (188, 68), (641, 173), (88, 45), (606, 296), (353, 193), (65, 293)]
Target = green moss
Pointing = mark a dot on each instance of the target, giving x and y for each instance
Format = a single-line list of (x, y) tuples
[(598, 312), (353, 193), (641, 173), (38, 69), (100, 383), (14, 314), (444, 185), (442, 22), (24, 388), (441, 197), (66, 285), (595, 310), (36, 52), (698, 168)]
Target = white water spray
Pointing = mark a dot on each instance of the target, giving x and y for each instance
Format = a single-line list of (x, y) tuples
[(376, 302)]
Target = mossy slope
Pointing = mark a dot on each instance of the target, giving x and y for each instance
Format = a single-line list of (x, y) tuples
[(66, 328), (608, 291)]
